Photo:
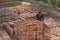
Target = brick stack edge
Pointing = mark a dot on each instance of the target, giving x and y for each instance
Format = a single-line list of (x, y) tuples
[(47, 30)]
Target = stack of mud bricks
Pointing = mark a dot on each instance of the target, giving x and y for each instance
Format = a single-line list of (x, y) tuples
[(30, 30)]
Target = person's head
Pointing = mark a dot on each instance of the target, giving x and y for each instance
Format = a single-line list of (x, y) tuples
[(39, 12)]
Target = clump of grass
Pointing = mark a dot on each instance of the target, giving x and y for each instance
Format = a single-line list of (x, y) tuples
[(58, 4)]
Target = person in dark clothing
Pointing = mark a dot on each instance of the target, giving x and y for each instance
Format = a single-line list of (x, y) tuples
[(40, 17)]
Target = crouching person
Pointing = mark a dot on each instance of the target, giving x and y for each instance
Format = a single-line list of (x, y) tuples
[(40, 17)]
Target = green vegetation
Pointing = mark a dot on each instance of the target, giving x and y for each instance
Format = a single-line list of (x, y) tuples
[(58, 4), (46, 1), (53, 2)]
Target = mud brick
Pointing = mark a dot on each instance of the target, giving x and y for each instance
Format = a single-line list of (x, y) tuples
[(23, 28), (29, 35), (32, 28), (40, 38), (32, 38), (25, 38), (39, 35), (39, 28), (32, 33), (40, 32)]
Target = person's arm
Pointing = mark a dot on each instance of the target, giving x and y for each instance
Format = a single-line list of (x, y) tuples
[(42, 18)]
